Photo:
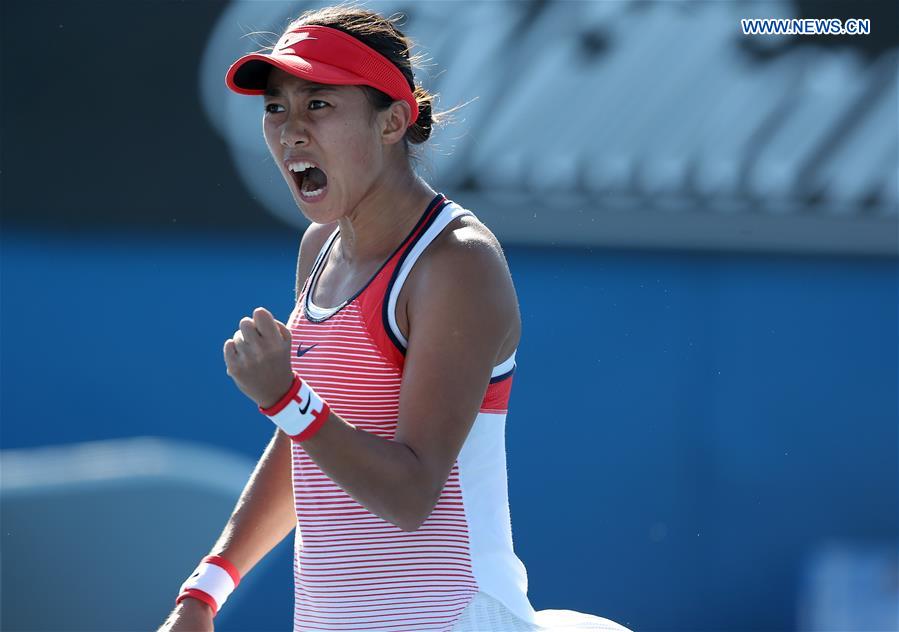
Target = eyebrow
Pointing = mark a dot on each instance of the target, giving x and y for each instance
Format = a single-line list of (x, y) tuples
[(312, 88)]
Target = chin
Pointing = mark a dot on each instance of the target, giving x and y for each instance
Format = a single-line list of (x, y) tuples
[(317, 214)]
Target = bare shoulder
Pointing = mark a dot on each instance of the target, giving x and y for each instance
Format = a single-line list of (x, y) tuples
[(311, 243), (467, 267), (468, 246)]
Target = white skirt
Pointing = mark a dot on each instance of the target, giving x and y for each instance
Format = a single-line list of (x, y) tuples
[(486, 614)]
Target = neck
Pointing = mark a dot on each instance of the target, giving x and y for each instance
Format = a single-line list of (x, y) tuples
[(375, 227)]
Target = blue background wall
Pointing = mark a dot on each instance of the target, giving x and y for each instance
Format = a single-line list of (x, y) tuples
[(721, 417)]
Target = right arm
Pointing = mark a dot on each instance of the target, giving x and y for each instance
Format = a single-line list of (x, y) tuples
[(264, 514)]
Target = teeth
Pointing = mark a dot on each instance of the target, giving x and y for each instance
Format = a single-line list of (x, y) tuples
[(315, 193), (298, 167)]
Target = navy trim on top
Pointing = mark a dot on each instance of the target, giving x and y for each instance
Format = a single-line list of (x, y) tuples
[(312, 280), (385, 302), (500, 378)]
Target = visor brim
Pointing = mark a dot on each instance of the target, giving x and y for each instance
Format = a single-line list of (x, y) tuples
[(249, 74)]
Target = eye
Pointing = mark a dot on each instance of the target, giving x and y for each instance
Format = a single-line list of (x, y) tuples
[(317, 104), (270, 108)]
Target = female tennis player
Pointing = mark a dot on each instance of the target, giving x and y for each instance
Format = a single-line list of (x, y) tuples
[(390, 381)]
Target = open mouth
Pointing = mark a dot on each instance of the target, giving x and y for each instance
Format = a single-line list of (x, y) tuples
[(311, 181)]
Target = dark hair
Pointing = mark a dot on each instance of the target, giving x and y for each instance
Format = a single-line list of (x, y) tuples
[(382, 35)]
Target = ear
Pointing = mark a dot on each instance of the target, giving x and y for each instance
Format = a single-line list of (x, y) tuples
[(395, 121)]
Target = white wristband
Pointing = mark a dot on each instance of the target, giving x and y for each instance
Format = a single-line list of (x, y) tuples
[(300, 412), (212, 582)]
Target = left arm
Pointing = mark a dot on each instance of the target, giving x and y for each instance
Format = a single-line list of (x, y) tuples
[(461, 309)]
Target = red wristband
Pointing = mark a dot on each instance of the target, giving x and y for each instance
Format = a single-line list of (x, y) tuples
[(279, 405), (199, 595)]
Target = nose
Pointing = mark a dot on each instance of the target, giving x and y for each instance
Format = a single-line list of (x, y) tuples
[(294, 133)]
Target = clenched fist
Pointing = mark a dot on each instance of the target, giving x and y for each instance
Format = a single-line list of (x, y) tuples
[(258, 358)]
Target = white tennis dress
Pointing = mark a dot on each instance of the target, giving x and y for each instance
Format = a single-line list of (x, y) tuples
[(485, 613), (355, 571)]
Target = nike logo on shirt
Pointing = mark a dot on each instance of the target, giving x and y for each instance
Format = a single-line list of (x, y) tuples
[(301, 352)]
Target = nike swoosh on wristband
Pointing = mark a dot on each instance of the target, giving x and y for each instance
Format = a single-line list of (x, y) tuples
[(301, 352), (304, 409)]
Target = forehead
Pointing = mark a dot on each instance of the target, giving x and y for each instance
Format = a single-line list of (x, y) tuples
[(281, 83)]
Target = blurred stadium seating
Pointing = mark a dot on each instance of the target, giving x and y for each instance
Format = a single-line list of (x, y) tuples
[(632, 123)]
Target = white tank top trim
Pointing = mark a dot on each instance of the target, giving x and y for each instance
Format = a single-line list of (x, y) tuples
[(318, 313), (446, 215), (484, 485), (505, 367)]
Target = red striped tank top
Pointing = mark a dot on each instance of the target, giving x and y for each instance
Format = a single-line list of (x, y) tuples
[(352, 569)]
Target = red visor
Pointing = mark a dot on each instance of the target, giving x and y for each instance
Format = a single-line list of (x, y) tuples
[(323, 55)]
